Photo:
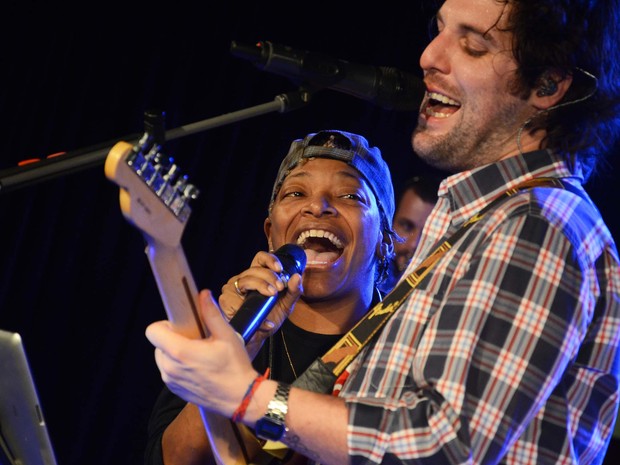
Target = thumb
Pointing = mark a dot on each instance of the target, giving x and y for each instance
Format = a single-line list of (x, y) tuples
[(162, 336)]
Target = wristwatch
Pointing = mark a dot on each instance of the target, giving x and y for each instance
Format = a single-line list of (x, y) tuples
[(271, 426)]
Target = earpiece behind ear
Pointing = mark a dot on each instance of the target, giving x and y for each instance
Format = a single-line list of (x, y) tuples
[(547, 87)]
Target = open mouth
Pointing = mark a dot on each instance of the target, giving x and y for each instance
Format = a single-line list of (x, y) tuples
[(440, 106), (321, 247)]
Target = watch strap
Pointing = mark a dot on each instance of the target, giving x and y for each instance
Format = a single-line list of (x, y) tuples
[(272, 425), (278, 406)]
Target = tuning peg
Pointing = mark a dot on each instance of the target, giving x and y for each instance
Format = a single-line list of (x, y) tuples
[(172, 173), (190, 191), (166, 190)]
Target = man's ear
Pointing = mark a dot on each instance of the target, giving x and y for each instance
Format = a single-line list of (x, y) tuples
[(550, 90), (267, 229)]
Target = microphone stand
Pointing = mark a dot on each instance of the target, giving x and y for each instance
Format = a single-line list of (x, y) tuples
[(71, 162)]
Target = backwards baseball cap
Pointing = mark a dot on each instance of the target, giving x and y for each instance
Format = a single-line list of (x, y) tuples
[(351, 149)]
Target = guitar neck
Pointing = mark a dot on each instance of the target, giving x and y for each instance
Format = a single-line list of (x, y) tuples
[(154, 198), (178, 293), (177, 288)]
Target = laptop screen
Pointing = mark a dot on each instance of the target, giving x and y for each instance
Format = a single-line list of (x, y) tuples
[(24, 439)]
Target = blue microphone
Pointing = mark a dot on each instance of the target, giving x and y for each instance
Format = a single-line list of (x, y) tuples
[(256, 307)]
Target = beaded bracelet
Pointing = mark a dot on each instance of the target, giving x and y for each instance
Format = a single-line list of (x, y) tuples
[(240, 412)]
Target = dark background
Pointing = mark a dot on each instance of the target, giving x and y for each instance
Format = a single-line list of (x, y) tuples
[(74, 280)]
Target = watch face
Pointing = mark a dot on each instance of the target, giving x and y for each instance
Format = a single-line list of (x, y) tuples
[(269, 429)]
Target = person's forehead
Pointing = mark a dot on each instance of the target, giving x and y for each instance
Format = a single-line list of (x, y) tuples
[(484, 17)]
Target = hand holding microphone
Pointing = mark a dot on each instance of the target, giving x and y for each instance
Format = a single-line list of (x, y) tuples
[(256, 306)]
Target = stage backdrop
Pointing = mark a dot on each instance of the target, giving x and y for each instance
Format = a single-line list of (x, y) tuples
[(74, 279)]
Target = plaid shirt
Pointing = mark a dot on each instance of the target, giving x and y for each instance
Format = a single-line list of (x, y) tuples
[(508, 351)]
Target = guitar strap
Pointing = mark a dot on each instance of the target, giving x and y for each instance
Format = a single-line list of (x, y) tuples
[(323, 372)]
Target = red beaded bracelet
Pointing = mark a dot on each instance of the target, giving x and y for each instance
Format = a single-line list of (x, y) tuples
[(240, 412)]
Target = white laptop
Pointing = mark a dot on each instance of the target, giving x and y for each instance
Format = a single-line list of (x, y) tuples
[(24, 439)]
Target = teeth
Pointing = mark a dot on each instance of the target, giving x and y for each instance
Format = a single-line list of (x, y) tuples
[(319, 233), (442, 98), (437, 114)]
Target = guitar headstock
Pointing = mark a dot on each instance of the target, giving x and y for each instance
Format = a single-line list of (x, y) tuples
[(154, 196)]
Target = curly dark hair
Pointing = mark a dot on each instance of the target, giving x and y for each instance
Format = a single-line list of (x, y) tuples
[(577, 38), (568, 36)]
